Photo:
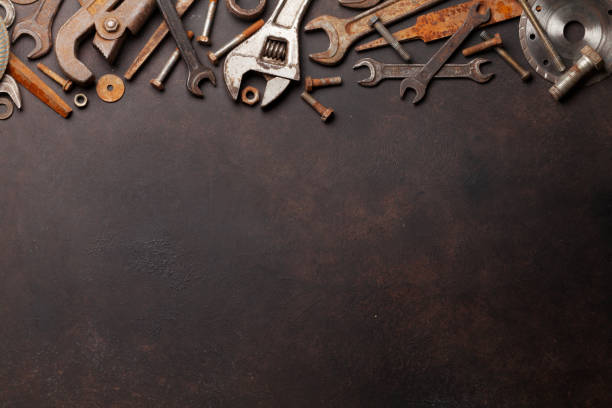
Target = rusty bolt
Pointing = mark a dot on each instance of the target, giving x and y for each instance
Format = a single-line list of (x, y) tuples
[(312, 83), (589, 63), (65, 83), (325, 113), (496, 41), (525, 75), (158, 82), (111, 24)]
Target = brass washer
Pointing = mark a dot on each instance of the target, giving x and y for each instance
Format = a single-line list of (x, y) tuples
[(110, 88)]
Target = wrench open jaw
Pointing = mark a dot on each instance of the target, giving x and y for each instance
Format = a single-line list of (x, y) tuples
[(333, 27), (272, 51), (380, 71)]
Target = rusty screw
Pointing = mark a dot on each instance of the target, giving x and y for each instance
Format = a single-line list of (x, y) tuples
[(525, 75), (496, 41), (590, 62), (204, 39), (387, 35), (158, 82), (325, 113), (215, 56), (65, 83), (312, 83)]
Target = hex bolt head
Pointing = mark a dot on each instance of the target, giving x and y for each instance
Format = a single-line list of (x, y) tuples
[(312, 83), (111, 24), (325, 112), (589, 63), (157, 84)]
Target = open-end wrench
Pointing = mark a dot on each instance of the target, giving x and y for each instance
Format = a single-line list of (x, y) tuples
[(343, 33), (272, 51), (380, 71), (196, 71), (8, 85), (38, 26), (421, 80)]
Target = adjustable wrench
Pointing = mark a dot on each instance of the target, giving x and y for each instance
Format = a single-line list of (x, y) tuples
[(273, 51), (38, 26), (421, 80), (196, 71), (343, 33), (380, 71)]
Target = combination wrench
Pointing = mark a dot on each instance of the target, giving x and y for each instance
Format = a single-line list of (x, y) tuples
[(421, 80), (196, 71), (380, 71), (272, 51), (38, 26)]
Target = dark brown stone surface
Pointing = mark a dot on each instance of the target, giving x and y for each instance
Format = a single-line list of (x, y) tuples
[(166, 251)]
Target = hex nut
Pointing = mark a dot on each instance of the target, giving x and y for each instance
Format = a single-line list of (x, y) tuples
[(80, 100), (253, 99)]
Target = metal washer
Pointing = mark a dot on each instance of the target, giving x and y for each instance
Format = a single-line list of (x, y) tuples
[(555, 15), (8, 104), (110, 88)]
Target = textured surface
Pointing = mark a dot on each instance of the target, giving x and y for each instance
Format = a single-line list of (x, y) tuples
[(166, 251)]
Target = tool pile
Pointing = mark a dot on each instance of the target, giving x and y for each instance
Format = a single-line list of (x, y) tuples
[(271, 48)]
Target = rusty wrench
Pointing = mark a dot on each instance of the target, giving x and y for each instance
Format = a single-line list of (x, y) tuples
[(380, 71), (196, 71), (421, 80), (343, 33), (38, 26)]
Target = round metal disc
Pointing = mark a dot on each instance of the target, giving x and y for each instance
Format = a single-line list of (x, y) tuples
[(554, 15), (8, 108), (110, 88)]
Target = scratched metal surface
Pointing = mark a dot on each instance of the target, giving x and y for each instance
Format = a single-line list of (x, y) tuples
[(165, 251)]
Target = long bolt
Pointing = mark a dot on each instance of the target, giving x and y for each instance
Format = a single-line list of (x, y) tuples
[(325, 113), (496, 41), (214, 57), (387, 35), (65, 83), (525, 74), (547, 44), (590, 62), (204, 39), (158, 83), (312, 83)]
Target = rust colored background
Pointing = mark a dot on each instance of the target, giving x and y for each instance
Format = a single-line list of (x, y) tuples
[(166, 251)]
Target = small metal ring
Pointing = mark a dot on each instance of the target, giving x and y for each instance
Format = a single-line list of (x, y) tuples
[(6, 102), (245, 14), (80, 100), (9, 10), (250, 100)]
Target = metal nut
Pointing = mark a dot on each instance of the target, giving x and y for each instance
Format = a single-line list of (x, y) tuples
[(250, 95), (80, 100)]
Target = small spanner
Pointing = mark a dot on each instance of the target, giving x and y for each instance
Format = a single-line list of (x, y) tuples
[(38, 26), (196, 71), (421, 80), (272, 51), (380, 71)]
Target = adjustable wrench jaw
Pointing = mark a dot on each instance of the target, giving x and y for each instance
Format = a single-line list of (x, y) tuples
[(272, 51)]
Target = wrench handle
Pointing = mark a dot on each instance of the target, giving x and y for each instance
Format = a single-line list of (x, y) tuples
[(45, 13), (175, 25)]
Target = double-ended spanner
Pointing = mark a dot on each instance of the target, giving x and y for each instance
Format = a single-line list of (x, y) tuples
[(38, 26), (421, 80), (380, 71), (272, 51), (196, 71), (343, 33)]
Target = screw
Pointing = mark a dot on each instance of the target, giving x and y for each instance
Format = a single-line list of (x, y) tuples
[(65, 83), (547, 44), (590, 62), (158, 82), (525, 75), (111, 24), (312, 83), (493, 42), (204, 39), (325, 113), (215, 56), (382, 30)]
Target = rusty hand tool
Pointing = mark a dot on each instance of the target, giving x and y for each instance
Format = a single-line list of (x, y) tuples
[(158, 36), (444, 23), (272, 51), (421, 80), (196, 71), (380, 71), (111, 20), (30, 81), (343, 33), (38, 26), (8, 85), (359, 4)]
